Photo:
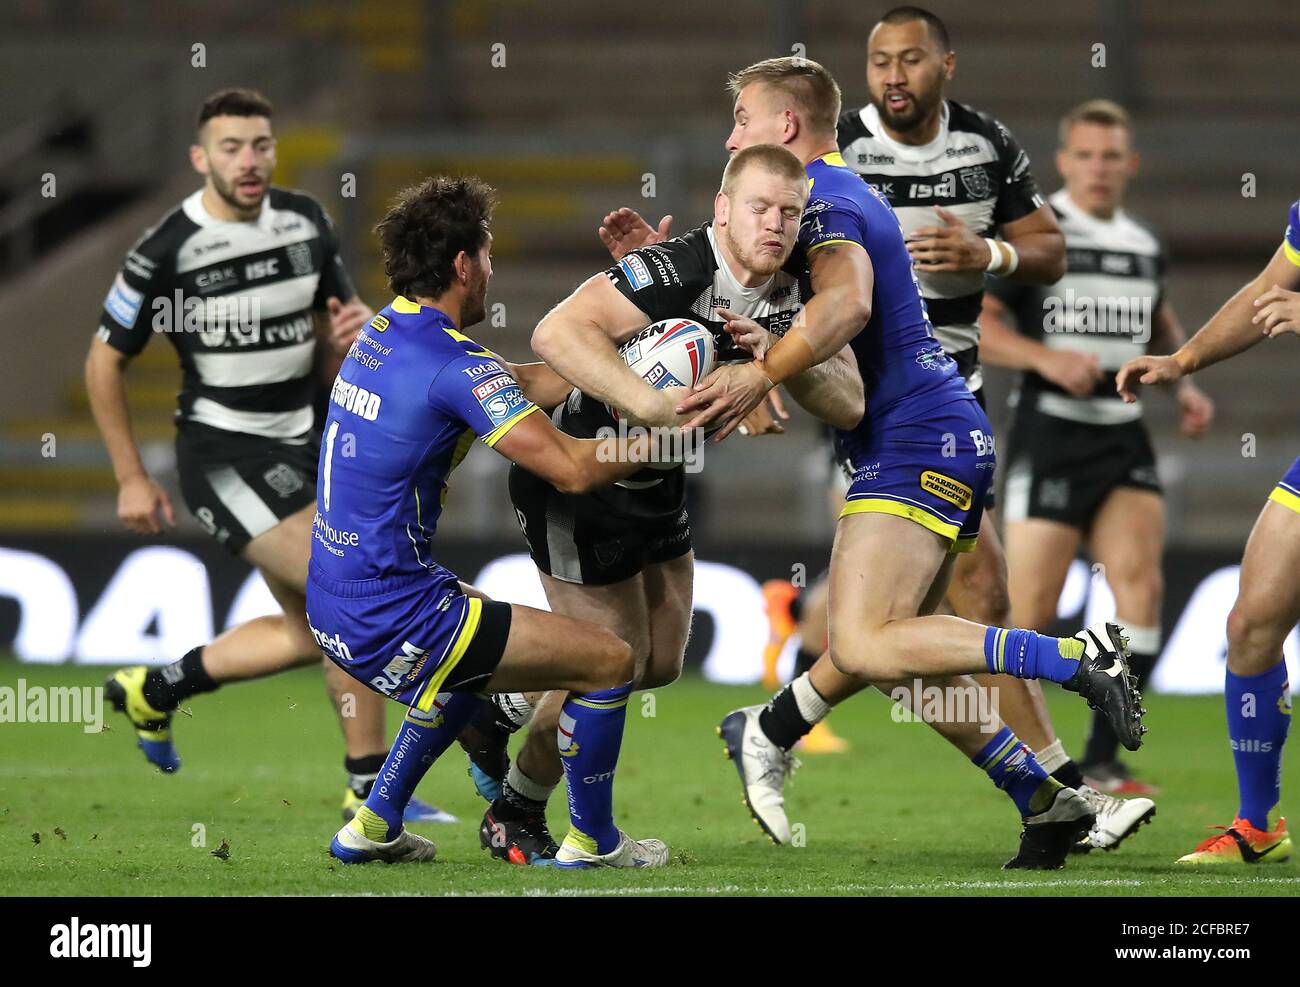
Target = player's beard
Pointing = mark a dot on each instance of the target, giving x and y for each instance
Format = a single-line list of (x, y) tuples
[(226, 190), (475, 309), (756, 262), (911, 118)]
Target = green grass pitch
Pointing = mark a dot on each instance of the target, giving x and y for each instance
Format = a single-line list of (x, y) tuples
[(902, 814)]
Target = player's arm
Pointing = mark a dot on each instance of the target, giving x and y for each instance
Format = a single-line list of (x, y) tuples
[(842, 281), (1030, 251), (141, 503), (540, 383), (578, 338), (1231, 330), (831, 391), (1195, 407), (575, 466), (125, 328), (1002, 345)]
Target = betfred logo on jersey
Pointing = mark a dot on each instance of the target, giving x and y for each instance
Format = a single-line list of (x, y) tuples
[(489, 387), (638, 275)]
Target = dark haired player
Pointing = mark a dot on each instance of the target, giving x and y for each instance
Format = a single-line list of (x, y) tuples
[(406, 407), (236, 276)]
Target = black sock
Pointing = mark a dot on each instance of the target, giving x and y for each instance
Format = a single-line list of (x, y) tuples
[(362, 772), (167, 687), (782, 721), (1102, 746), (1069, 775), (804, 660), (513, 806)]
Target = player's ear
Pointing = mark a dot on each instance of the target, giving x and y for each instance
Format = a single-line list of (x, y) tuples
[(199, 160), (721, 209), (949, 66), (461, 266), (1134, 162)]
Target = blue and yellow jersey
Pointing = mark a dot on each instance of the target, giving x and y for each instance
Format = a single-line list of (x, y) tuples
[(411, 397), (1291, 243), (903, 367)]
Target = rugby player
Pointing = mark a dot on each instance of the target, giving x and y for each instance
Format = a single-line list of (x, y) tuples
[(919, 149), (236, 276), (621, 556), (404, 412), (1257, 694), (1081, 464), (923, 460)]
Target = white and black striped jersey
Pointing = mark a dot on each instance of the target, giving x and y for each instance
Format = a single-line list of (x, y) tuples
[(974, 169), (1105, 305), (237, 301), (685, 277)]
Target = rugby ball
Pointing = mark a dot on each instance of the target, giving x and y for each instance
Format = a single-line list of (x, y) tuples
[(671, 353)]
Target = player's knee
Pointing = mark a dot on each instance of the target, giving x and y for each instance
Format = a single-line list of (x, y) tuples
[(616, 663), (986, 598), (1255, 637), (658, 674)]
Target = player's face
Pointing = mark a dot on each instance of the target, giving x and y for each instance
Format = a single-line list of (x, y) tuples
[(237, 154), (760, 118), (1097, 163), (906, 73), (760, 219), (479, 271)]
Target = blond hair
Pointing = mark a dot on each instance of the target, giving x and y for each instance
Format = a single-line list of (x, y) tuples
[(1101, 111), (806, 83), (780, 161)]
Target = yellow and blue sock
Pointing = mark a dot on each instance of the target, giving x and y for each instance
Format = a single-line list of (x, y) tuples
[(421, 740), (1013, 768), (590, 735), (1259, 715), (1030, 655)]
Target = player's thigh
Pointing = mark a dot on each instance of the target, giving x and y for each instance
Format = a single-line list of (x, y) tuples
[(619, 607), (979, 583), (1268, 598), (1039, 553), (545, 651), (669, 597), (883, 568), (1128, 539), (285, 549)]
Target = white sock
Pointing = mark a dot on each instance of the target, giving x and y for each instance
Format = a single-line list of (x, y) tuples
[(812, 707), (1142, 640), (1052, 756), (515, 706), (526, 787)]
